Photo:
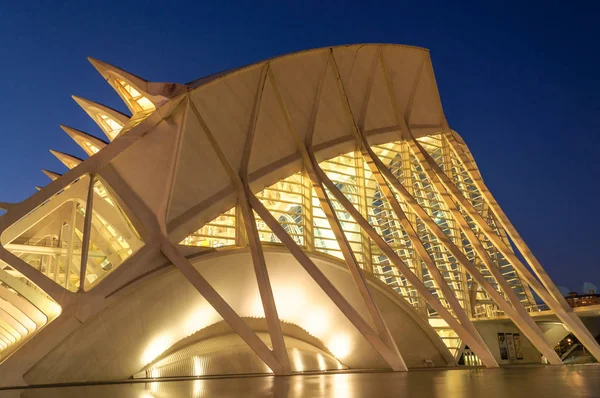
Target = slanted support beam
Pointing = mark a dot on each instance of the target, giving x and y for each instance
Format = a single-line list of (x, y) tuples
[(317, 275), (519, 314), (528, 327), (485, 355), (220, 305), (505, 222), (391, 353), (71, 245), (87, 227), (258, 259), (466, 330), (547, 292), (460, 329), (394, 357), (264, 284)]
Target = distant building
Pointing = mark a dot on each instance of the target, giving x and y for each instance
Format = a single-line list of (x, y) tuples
[(581, 300)]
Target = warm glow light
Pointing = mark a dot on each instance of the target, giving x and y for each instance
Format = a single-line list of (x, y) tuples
[(198, 368), (341, 386), (316, 322), (135, 97), (145, 104), (93, 148), (438, 323), (129, 89), (155, 348), (110, 125), (198, 388), (54, 310), (200, 319), (256, 308), (339, 345), (298, 360), (154, 387), (321, 361), (290, 301)]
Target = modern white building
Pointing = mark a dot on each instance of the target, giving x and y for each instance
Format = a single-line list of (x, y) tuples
[(312, 212)]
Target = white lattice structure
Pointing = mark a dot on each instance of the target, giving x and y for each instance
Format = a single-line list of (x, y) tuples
[(310, 212)]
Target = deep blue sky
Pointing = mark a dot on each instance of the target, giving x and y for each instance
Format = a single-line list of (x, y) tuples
[(518, 81)]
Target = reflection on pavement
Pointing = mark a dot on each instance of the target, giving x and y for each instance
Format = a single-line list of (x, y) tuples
[(515, 382)]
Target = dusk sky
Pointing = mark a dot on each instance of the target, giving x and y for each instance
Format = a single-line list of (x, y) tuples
[(520, 83)]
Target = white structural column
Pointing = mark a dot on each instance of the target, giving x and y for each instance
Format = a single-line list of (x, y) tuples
[(468, 332), (519, 314), (258, 257), (87, 227), (525, 324), (317, 275), (505, 222), (220, 305), (555, 301), (437, 305), (264, 285), (71, 244), (533, 334), (449, 295), (391, 354), (352, 263), (260, 268)]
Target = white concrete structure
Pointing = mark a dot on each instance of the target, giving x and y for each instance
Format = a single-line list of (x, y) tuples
[(310, 212)]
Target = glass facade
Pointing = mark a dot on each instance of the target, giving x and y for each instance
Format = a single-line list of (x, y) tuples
[(53, 243), (294, 203)]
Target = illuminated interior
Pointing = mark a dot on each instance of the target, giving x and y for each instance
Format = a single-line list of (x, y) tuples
[(109, 125), (53, 243), (24, 309), (293, 202), (92, 149), (136, 101)]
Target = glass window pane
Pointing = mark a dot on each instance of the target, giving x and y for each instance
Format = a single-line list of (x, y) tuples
[(112, 240)]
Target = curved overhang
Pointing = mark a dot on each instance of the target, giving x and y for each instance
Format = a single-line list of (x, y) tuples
[(246, 110), (134, 328), (253, 115)]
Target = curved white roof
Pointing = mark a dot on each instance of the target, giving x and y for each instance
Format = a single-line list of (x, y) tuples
[(249, 111)]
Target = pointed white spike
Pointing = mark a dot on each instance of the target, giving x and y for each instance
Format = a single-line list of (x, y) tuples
[(138, 94), (108, 70), (38, 187), (109, 120), (51, 174), (68, 160), (90, 144)]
